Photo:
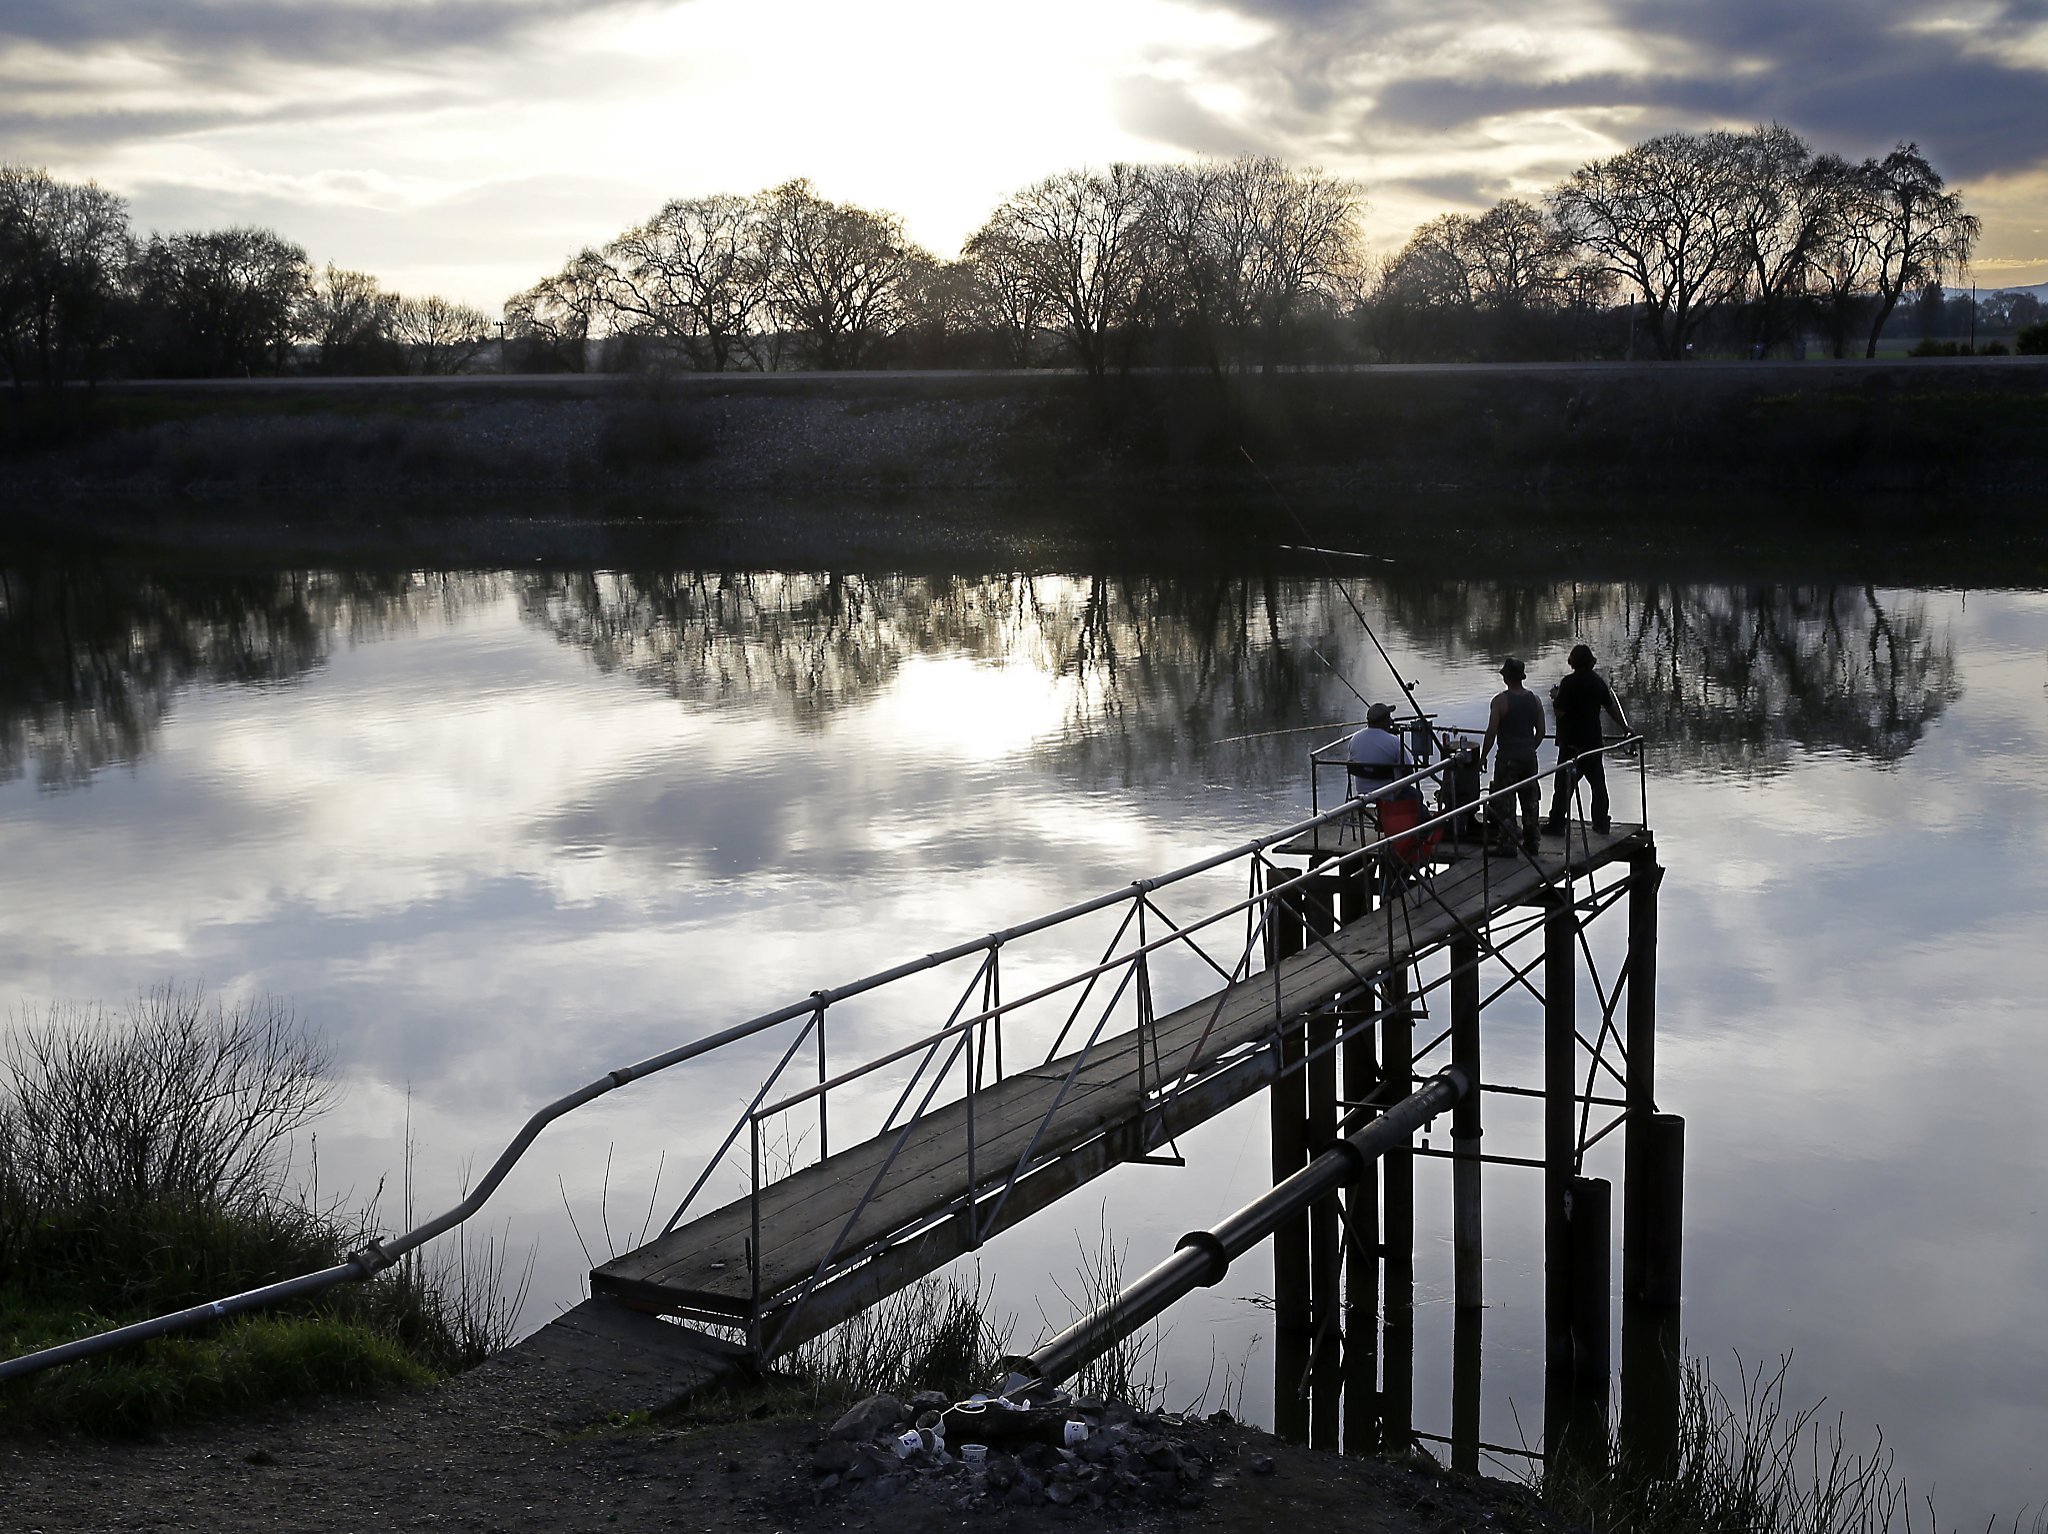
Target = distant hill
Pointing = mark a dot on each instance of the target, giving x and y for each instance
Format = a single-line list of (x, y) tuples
[(1984, 290)]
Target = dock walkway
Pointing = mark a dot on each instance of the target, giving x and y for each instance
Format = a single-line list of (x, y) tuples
[(804, 1252)]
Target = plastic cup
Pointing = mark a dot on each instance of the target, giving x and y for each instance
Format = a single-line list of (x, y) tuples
[(974, 1453), (909, 1443), (1077, 1432)]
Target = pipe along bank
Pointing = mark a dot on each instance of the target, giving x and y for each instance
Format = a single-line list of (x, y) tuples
[(1202, 1257)]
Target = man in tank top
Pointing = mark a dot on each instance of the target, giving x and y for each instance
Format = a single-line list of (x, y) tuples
[(1515, 721), (1580, 702)]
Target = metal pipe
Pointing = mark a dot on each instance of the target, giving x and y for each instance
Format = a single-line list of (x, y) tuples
[(157, 1326), (1202, 1257)]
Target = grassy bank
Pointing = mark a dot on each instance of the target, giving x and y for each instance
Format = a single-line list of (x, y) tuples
[(1930, 425), (1917, 471), (145, 1166)]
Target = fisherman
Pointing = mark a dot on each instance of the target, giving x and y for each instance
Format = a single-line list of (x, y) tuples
[(1378, 756), (1516, 721), (1580, 701)]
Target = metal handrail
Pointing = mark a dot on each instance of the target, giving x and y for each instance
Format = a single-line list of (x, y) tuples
[(1132, 960)]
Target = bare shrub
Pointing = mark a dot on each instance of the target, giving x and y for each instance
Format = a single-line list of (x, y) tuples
[(117, 1131)]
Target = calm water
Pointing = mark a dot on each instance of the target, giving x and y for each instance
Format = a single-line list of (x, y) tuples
[(494, 833)]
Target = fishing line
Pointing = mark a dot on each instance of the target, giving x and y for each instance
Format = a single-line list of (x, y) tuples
[(1407, 687)]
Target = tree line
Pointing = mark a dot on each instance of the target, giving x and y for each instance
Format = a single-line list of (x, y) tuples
[(81, 296), (1751, 239), (1741, 240)]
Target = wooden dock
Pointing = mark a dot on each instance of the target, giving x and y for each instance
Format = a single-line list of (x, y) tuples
[(835, 1237)]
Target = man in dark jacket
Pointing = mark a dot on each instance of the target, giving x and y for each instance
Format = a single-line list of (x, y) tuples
[(1581, 702)]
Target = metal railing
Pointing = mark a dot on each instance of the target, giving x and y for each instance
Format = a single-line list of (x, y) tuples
[(971, 1042)]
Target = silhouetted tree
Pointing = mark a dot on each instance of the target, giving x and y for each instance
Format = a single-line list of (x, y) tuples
[(838, 276), (438, 335), (64, 253), (221, 303), (1917, 230), (1662, 217), (347, 317), (550, 325), (1008, 299), (1079, 241), (695, 275), (1786, 201)]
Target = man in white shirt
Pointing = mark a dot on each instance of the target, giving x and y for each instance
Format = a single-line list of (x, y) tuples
[(1378, 756)]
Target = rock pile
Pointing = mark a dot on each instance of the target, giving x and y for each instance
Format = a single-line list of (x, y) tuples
[(989, 1452)]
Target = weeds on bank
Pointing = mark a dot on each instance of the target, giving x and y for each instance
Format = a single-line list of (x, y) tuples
[(1128, 1368), (145, 1165), (939, 1334), (1745, 1465)]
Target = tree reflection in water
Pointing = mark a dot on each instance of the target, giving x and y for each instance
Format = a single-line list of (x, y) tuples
[(93, 657), (1724, 678), (1162, 675)]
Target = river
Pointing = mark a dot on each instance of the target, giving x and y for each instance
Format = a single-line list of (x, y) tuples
[(491, 833)]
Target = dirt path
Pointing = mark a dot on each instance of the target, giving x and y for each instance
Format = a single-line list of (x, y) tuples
[(472, 1456)]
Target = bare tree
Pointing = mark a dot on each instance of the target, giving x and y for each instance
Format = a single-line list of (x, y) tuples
[(1662, 217), (1235, 253), (1844, 264), (1305, 243), (840, 276), (439, 335), (555, 320), (64, 251), (696, 275), (1080, 237), (347, 316), (1917, 230), (1786, 203), (1009, 302), (1519, 258), (1473, 286)]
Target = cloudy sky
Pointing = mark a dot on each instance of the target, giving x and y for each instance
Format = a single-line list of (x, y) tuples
[(469, 146)]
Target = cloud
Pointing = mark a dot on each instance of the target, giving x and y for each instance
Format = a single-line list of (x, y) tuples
[(1167, 111), (1453, 190), (1971, 86), (298, 31)]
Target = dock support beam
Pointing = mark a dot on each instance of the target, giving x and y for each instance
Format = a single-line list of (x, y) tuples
[(1397, 1398), (1469, 1283), (1653, 1207), (1325, 1248), (1293, 1328), (1361, 1261), (1638, 1194), (1560, 1046)]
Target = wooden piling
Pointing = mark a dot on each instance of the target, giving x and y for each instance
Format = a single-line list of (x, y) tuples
[(1467, 1322), (1585, 1432), (1651, 1368)]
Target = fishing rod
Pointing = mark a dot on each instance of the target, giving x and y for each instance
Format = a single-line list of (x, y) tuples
[(1407, 687)]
